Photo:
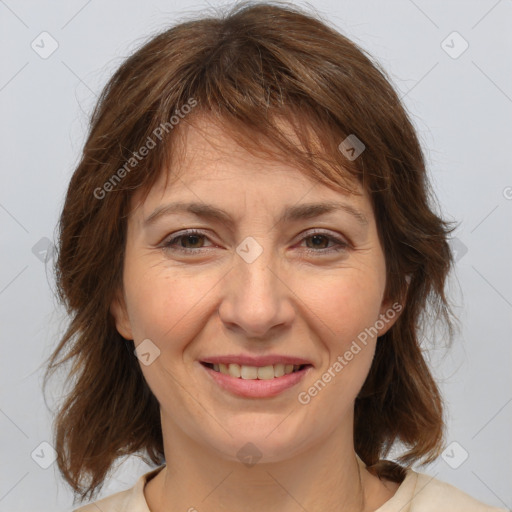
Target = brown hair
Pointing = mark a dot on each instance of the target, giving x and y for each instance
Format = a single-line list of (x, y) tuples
[(247, 68)]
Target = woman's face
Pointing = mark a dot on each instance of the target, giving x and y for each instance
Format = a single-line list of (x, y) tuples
[(266, 283)]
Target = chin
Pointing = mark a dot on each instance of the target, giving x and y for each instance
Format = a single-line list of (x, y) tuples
[(261, 440)]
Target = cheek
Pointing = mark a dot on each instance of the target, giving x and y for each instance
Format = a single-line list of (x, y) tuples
[(345, 304), (163, 304), (346, 313), (346, 308)]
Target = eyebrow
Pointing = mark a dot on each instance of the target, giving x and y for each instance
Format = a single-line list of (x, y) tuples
[(290, 214)]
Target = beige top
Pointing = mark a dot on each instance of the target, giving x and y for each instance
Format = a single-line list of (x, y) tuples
[(417, 493)]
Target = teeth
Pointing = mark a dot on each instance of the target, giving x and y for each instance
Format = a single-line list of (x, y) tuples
[(255, 372), (266, 372), (278, 370), (248, 372), (234, 370)]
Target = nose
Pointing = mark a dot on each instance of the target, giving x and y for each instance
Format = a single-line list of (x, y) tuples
[(257, 302)]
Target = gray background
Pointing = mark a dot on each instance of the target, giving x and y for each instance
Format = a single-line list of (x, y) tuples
[(461, 106)]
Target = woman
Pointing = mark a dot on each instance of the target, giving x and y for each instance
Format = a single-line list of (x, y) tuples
[(246, 249)]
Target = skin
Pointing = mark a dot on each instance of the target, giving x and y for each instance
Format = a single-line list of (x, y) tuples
[(296, 298)]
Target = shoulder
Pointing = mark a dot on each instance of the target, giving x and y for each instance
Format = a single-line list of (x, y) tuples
[(131, 499), (114, 503), (433, 495)]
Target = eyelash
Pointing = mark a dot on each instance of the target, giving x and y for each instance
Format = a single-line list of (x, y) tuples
[(340, 244)]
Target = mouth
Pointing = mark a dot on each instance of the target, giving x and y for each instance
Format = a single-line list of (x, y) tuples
[(268, 372), (251, 381)]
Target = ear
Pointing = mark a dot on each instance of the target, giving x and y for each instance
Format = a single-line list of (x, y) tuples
[(391, 308), (120, 314), (389, 313)]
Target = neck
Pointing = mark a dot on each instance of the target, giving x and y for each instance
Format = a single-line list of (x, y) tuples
[(326, 476)]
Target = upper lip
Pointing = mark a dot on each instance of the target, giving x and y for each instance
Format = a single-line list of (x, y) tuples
[(248, 360)]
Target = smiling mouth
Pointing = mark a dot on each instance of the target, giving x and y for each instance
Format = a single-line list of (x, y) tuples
[(256, 372)]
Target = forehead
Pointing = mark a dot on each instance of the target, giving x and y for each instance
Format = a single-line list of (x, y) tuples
[(209, 153)]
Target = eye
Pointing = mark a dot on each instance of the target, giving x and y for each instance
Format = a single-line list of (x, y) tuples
[(319, 240), (192, 240), (189, 241)]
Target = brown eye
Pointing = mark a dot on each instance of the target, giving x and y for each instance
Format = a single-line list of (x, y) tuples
[(319, 243), (187, 242), (193, 240)]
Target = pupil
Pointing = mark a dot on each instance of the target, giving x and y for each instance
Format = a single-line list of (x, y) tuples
[(188, 238), (318, 238)]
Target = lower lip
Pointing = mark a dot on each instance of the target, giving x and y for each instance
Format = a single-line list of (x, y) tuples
[(256, 388)]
